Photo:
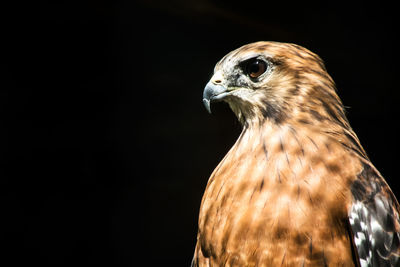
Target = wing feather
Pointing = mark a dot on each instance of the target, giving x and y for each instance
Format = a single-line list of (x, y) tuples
[(374, 220)]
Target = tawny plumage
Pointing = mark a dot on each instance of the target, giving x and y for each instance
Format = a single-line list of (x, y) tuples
[(297, 188)]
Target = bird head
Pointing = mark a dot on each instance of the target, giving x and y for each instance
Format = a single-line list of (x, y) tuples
[(273, 81)]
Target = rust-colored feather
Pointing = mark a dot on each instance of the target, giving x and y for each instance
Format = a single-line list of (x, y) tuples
[(283, 193)]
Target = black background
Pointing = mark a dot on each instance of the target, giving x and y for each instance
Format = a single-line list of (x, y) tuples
[(106, 147)]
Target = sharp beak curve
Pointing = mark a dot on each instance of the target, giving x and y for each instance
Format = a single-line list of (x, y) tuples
[(212, 93)]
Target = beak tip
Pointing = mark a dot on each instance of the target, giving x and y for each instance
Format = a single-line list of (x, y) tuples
[(206, 103)]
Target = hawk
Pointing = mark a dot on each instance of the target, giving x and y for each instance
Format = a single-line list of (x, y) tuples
[(297, 188)]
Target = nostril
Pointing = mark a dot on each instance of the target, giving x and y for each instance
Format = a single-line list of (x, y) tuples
[(217, 81)]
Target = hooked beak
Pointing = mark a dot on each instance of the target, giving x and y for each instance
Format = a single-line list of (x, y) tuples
[(212, 93)]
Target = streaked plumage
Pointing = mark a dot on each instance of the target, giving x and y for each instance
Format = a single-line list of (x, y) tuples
[(297, 188)]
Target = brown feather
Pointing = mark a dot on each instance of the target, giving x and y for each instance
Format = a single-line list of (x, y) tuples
[(282, 193)]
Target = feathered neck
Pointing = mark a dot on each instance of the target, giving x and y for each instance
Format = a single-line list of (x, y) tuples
[(309, 123)]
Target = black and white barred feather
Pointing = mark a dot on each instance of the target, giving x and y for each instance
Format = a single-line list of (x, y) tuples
[(374, 220)]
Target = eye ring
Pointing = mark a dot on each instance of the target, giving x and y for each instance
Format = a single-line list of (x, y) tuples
[(255, 67)]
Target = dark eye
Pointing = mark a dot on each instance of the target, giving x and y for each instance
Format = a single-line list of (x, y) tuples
[(255, 67)]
